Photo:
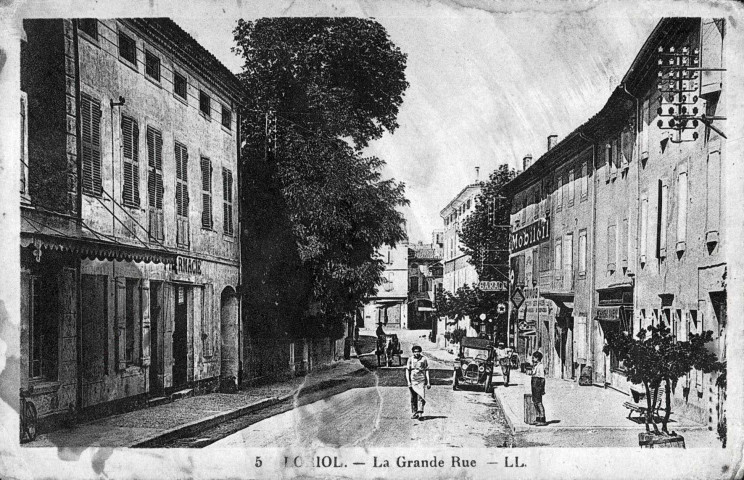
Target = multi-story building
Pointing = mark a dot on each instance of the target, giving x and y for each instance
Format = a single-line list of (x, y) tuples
[(632, 229), (388, 307), (129, 233), (437, 241), (458, 271), (424, 280)]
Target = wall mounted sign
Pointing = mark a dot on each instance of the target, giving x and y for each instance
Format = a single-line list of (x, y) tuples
[(493, 286), (187, 265), (529, 236)]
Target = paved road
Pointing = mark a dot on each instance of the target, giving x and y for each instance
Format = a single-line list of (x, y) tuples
[(374, 412)]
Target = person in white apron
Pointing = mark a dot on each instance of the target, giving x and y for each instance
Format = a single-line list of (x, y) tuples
[(417, 374)]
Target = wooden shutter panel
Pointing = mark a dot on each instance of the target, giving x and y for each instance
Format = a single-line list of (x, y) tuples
[(95, 116), (145, 325), (207, 320), (168, 319), (90, 111), (206, 169), (121, 323)]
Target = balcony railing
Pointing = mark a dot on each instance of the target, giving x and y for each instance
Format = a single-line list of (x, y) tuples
[(557, 280)]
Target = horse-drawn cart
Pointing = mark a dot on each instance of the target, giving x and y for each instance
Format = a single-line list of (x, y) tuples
[(388, 346)]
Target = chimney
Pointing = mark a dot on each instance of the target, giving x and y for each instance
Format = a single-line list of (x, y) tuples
[(527, 161), (477, 174), (552, 140)]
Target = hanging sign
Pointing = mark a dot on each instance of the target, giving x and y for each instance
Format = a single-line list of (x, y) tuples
[(187, 265), (530, 235)]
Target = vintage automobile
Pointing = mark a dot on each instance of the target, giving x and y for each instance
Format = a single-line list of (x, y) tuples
[(475, 364)]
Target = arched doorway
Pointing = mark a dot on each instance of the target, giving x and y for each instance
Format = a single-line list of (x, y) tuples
[(229, 335)]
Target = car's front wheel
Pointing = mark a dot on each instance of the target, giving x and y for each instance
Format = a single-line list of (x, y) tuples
[(455, 383)]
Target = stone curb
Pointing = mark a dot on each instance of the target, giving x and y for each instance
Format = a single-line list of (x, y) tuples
[(204, 423), (518, 426), (208, 422)]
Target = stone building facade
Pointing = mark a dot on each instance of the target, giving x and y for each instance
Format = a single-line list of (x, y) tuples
[(424, 280), (130, 236), (646, 230), (389, 305)]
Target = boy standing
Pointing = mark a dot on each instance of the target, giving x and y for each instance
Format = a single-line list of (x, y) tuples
[(538, 388), (417, 374)]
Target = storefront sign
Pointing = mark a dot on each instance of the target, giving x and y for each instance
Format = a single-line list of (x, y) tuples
[(493, 286), (608, 314), (529, 236), (187, 265)]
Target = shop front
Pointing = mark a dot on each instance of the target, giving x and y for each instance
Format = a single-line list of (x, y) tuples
[(614, 314)]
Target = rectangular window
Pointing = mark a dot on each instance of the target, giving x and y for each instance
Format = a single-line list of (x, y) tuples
[(95, 326), (128, 48), (626, 146), (611, 248), (662, 223), (644, 127), (130, 153), (544, 256), (536, 202), (43, 334), (713, 195), (557, 254), (89, 26), (615, 158), (568, 259), (584, 181), (608, 162), (226, 117), (566, 190), (625, 236), (227, 202), (155, 182), (712, 54), (413, 284), (571, 186), (681, 210), (152, 66), (559, 191), (182, 195), (24, 144), (535, 266), (644, 228), (205, 103), (179, 85), (582, 252), (133, 313), (206, 171), (90, 114)]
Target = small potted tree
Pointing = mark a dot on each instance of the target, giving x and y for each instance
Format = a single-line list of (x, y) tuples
[(655, 358)]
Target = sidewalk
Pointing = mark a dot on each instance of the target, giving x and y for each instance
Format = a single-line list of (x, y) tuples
[(192, 413), (579, 410)]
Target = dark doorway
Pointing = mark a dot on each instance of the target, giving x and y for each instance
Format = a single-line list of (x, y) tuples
[(156, 338), (180, 344)]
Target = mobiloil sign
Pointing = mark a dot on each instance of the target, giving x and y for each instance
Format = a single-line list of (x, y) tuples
[(530, 235)]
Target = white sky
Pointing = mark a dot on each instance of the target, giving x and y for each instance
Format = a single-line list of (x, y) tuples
[(486, 86)]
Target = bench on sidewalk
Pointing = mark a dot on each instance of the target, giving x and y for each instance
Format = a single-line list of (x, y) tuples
[(642, 408)]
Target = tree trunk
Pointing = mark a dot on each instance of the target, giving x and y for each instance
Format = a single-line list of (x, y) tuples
[(668, 400), (650, 402)]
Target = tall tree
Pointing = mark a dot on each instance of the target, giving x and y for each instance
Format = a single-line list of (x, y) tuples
[(485, 233), (317, 91)]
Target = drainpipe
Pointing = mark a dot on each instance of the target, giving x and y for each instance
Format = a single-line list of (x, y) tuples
[(79, 202), (592, 294), (240, 251)]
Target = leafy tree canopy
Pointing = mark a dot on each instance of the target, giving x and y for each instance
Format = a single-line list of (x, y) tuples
[(484, 236), (317, 91), (472, 302), (656, 357)]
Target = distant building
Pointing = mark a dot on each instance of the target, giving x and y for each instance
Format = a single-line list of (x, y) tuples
[(388, 306), (129, 234), (621, 224), (424, 280)]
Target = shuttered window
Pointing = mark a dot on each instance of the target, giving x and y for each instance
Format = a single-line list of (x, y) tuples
[(130, 144), (24, 144), (90, 114), (227, 196), (206, 171), (155, 182), (182, 195)]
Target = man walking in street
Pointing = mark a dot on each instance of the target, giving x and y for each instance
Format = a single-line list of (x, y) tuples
[(503, 357), (538, 388), (417, 375)]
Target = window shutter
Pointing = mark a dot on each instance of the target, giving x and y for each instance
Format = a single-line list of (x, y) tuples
[(168, 321), (206, 169), (121, 323), (145, 325), (611, 248), (90, 110), (130, 143), (207, 322)]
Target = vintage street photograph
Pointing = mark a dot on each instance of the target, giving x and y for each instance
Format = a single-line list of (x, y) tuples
[(432, 228)]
